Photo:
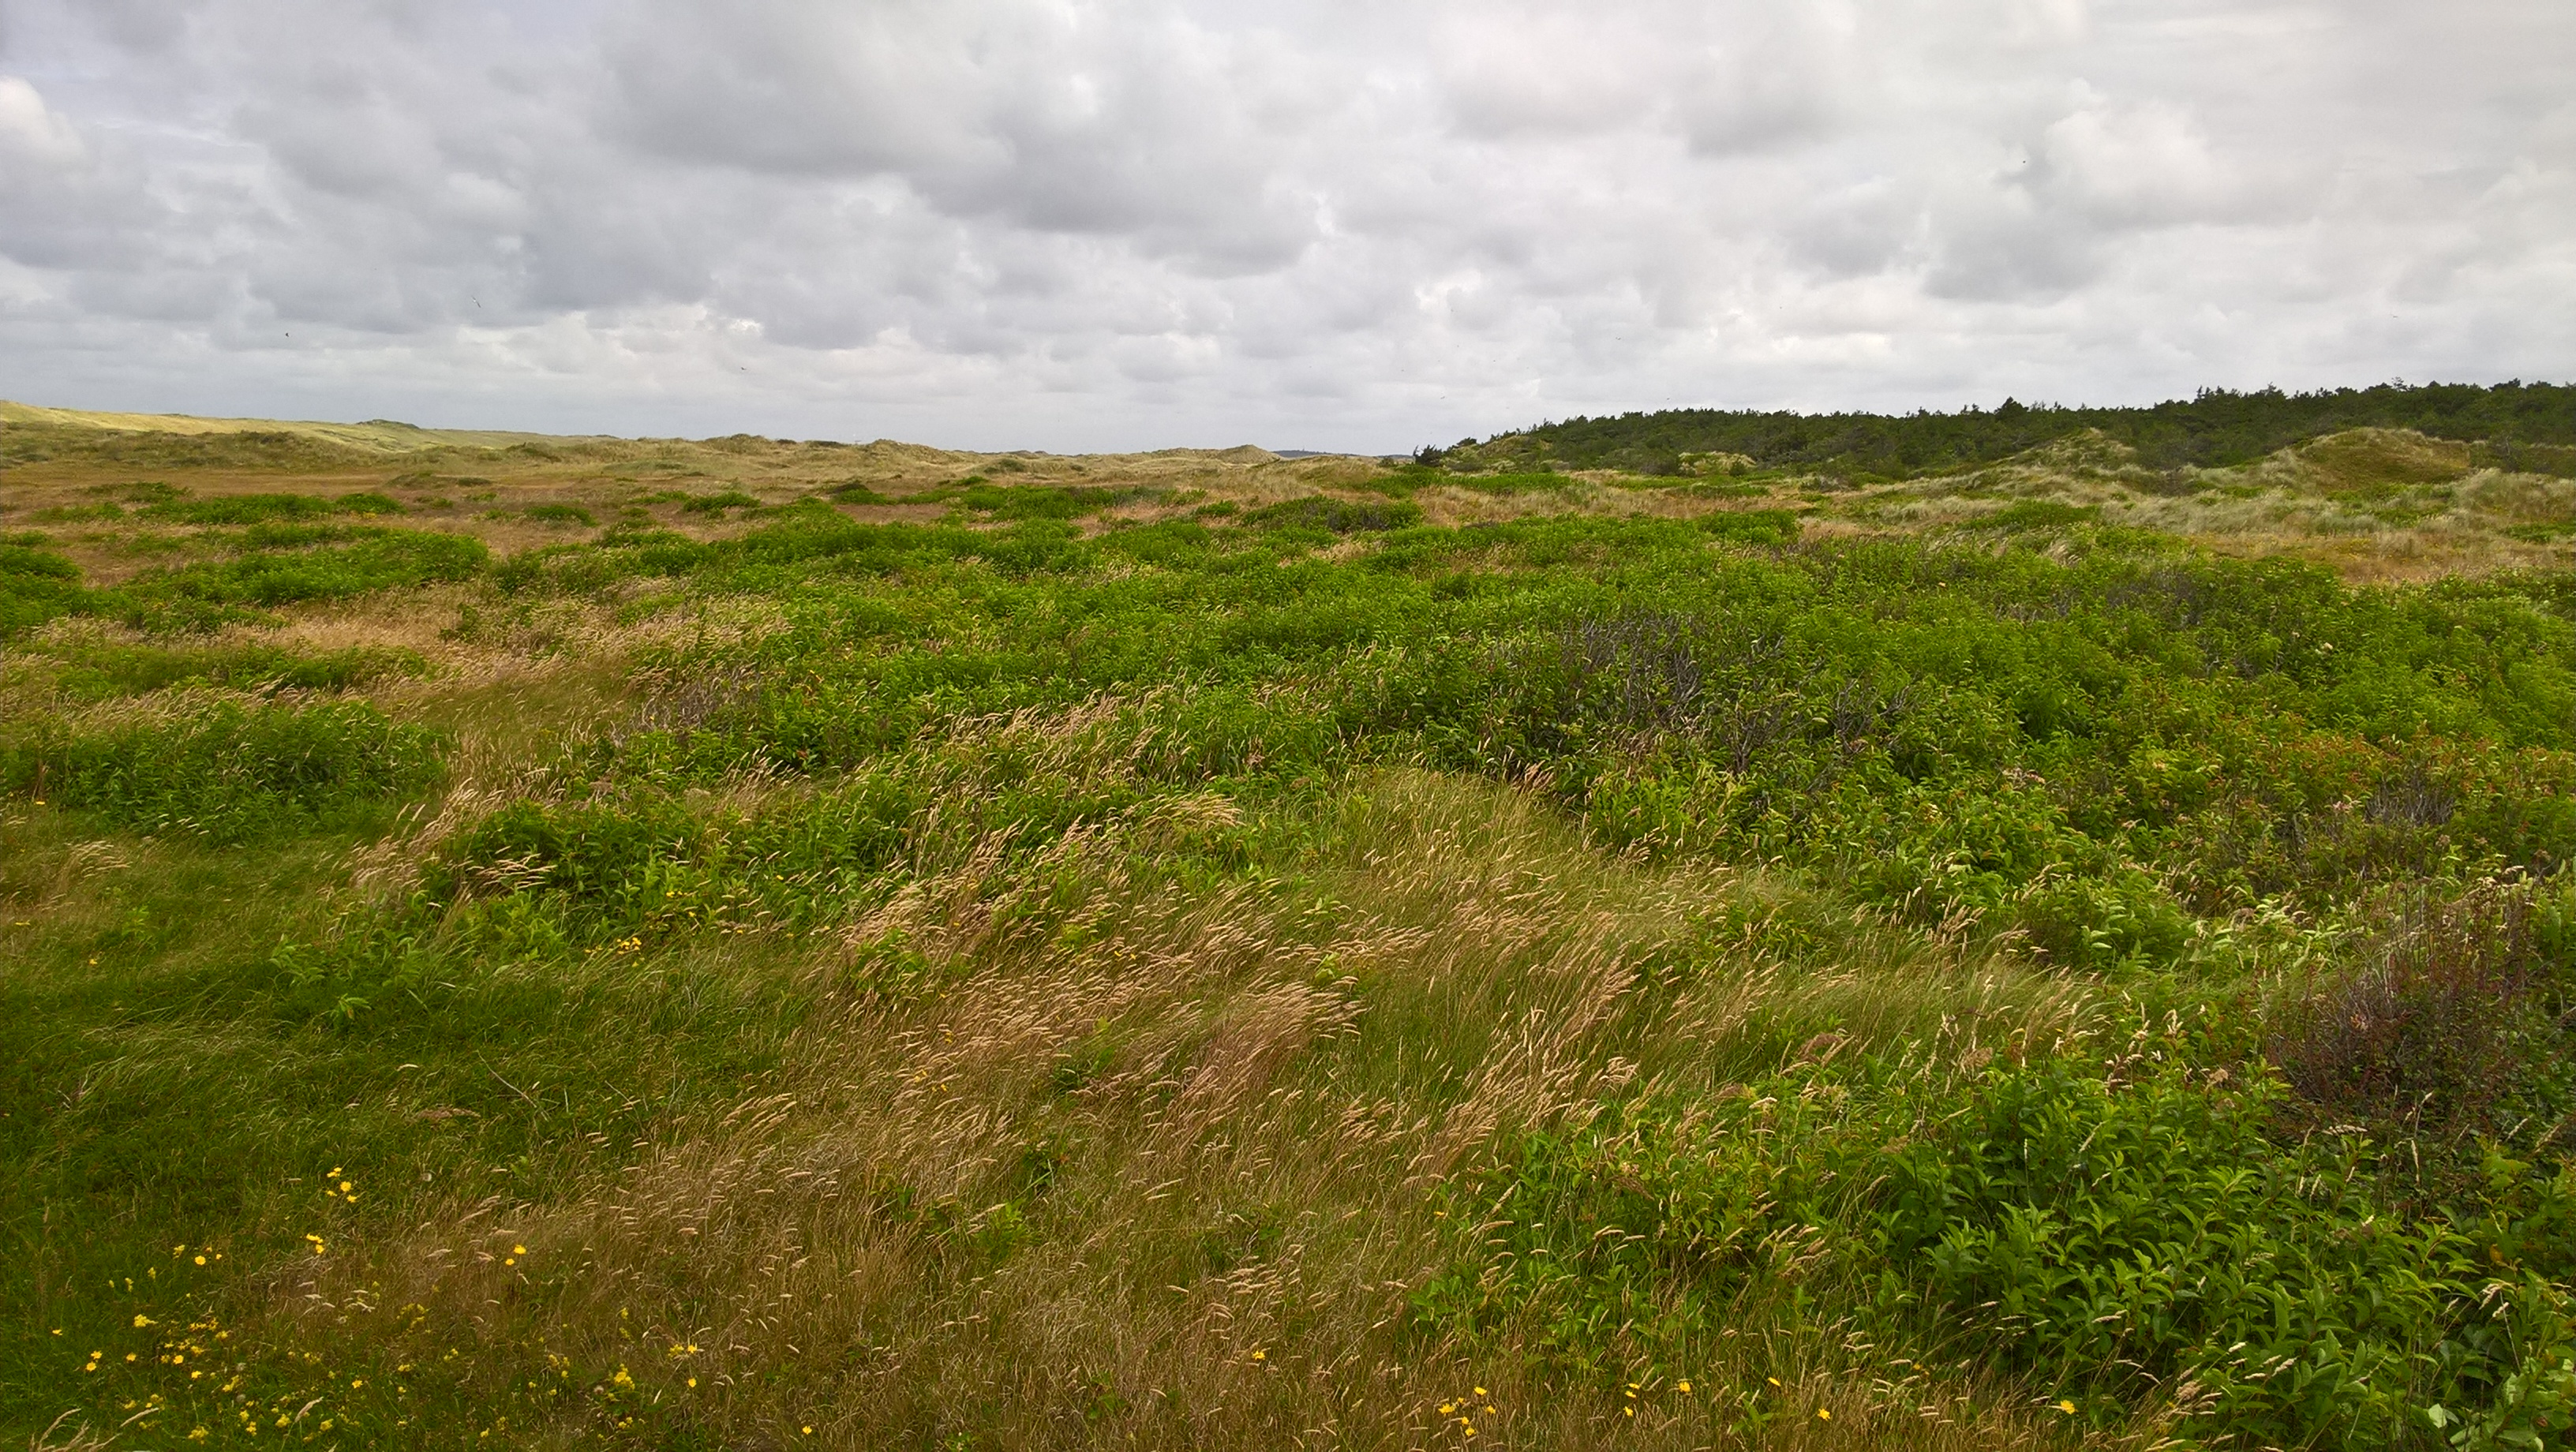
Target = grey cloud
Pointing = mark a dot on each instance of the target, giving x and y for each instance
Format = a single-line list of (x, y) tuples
[(1771, 79), (1073, 222), (144, 25), (1052, 118)]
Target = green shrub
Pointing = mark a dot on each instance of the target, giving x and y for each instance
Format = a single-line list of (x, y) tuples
[(2037, 514), (1508, 484), (227, 772), (1041, 501), (200, 595), (36, 586), (265, 508), (1335, 515), (2104, 1238)]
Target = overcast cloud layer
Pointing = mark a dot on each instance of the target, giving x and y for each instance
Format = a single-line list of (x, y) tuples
[(1067, 225)]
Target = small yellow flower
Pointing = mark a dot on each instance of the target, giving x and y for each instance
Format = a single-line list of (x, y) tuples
[(1682, 1386), (518, 1250), (201, 1260), (141, 1320), (1775, 1381), (2066, 1406), (1823, 1416), (1480, 1391), (693, 1381), (1260, 1355)]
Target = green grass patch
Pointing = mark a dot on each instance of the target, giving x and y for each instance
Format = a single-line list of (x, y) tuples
[(241, 509), (224, 771)]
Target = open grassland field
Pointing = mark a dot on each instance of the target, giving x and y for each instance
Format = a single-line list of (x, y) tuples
[(549, 943)]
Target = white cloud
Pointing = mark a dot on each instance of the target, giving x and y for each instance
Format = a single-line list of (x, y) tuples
[(33, 135), (1076, 223)]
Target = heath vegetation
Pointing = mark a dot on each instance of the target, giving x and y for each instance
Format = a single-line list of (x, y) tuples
[(1635, 933)]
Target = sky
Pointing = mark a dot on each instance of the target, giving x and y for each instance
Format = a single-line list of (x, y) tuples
[(1071, 226)]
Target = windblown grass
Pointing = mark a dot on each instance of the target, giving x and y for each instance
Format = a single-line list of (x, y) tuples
[(870, 947)]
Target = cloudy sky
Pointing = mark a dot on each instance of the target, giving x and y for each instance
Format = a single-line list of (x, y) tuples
[(1071, 225)]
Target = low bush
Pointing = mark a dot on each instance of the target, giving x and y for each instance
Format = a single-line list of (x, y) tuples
[(1041, 501), (1332, 514), (36, 586), (2448, 1022), (224, 771), (2113, 1238), (202, 595), (240, 509)]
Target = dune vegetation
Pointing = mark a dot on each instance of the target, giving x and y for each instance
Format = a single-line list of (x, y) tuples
[(527, 942)]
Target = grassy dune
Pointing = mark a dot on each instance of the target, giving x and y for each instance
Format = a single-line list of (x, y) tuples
[(529, 942)]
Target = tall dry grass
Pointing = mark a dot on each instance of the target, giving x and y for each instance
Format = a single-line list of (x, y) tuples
[(1159, 1168)]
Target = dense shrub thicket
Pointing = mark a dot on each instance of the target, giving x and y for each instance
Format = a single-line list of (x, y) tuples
[(2529, 426)]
